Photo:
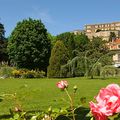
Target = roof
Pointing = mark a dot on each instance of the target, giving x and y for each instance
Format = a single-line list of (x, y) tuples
[(116, 41), (114, 45), (102, 23)]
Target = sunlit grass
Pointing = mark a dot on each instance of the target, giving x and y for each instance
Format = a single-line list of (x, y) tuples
[(39, 94)]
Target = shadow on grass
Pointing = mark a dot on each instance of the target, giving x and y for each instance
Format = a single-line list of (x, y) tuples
[(80, 114), (5, 117)]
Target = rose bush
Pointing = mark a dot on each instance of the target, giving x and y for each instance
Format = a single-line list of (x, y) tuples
[(108, 102)]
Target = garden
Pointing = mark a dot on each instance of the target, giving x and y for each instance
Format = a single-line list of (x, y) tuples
[(63, 77)]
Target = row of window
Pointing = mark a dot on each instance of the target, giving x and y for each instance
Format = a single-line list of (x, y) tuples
[(103, 25)]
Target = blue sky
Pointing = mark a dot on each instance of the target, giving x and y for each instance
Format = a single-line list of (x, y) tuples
[(59, 15)]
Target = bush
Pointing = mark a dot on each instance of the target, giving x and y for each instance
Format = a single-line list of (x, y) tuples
[(6, 71), (16, 73), (24, 73), (109, 70)]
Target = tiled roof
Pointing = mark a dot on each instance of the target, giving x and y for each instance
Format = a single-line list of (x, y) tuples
[(114, 45), (116, 41)]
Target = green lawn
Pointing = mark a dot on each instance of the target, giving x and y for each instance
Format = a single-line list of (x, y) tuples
[(39, 94)]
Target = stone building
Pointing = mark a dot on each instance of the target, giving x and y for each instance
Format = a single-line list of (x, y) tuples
[(103, 30), (78, 32), (115, 46)]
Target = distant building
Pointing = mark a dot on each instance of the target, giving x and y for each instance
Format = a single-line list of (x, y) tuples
[(115, 46), (105, 35), (102, 30), (78, 32)]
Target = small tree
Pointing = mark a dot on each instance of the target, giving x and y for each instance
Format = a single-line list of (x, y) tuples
[(112, 36), (59, 57)]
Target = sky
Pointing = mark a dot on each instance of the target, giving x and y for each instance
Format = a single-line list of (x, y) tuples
[(59, 16)]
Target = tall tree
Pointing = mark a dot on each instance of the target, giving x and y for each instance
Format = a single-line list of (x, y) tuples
[(59, 57), (29, 46), (2, 32), (81, 42), (88, 62), (68, 39), (99, 54), (52, 39), (3, 44)]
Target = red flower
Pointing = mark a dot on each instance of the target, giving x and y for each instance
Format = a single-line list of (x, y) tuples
[(62, 84)]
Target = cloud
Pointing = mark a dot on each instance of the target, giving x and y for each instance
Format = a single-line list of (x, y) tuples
[(44, 15)]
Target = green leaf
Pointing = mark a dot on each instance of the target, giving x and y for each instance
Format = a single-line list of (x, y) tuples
[(113, 117), (16, 116), (34, 118), (89, 114), (92, 118), (23, 113)]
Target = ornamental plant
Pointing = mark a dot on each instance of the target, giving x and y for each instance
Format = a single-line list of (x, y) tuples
[(108, 103), (63, 85)]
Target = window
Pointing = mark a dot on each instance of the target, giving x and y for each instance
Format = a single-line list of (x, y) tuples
[(118, 46)]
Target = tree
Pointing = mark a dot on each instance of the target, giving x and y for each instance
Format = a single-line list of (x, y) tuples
[(99, 55), (2, 32), (88, 61), (81, 42), (59, 57), (3, 44), (112, 36), (29, 46), (68, 39), (3, 50), (52, 39)]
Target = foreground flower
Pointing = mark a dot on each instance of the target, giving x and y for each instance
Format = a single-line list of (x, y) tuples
[(62, 84), (97, 111), (108, 102)]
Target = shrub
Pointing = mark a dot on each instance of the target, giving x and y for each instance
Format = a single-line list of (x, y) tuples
[(16, 73), (28, 74), (24, 73), (109, 70), (6, 71)]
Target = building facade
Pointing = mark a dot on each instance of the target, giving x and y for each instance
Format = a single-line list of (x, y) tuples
[(103, 30), (78, 32), (115, 46)]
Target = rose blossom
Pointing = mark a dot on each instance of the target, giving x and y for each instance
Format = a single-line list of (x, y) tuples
[(97, 111), (62, 84), (108, 102)]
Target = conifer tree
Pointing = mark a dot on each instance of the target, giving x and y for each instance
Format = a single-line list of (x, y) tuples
[(59, 57)]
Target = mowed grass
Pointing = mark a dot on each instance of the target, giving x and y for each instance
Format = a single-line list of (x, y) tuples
[(39, 94)]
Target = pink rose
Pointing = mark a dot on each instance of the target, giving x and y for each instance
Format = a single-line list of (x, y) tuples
[(96, 111), (62, 84), (108, 101)]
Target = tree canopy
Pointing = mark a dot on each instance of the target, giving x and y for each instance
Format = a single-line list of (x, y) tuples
[(29, 46), (3, 44), (68, 40), (2, 32)]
